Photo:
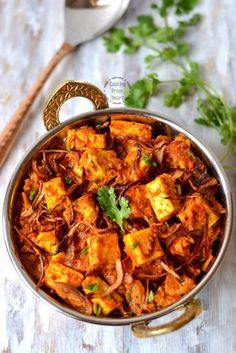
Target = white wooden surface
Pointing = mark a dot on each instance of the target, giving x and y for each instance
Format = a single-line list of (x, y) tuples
[(30, 32)]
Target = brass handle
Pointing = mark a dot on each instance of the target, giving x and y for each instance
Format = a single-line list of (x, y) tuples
[(68, 90), (191, 310), (10, 132)]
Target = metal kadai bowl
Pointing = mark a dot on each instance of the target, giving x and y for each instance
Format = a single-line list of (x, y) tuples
[(191, 307)]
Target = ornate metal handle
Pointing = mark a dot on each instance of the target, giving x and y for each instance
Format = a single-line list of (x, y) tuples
[(68, 90), (191, 310)]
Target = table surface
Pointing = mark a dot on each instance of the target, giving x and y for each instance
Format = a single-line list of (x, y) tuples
[(31, 31)]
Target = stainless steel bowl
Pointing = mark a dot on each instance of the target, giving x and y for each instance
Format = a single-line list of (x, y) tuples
[(139, 324)]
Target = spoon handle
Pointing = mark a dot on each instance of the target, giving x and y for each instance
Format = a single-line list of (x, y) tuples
[(10, 132)]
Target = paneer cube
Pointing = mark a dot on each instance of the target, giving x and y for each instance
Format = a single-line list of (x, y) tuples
[(103, 250), (131, 129), (163, 195), (135, 167), (96, 287), (54, 192), (143, 246), (181, 246), (60, 257), (73, 159), (135, 295), (172, 289), (84, 137), (107, 303), (57, 272), (139, 203), (178, 154), (86, 208), (47, 241), (100, 166), (196, 212)]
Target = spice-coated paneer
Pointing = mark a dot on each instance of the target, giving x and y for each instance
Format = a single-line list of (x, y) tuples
[(181, 246), (73, 159), (135, 296), (86, 208), (106, 303), (139, 203), (103, 249), (143, 246), (47, 241), (131, 129), (163, 195), (172, 289), (100, 166), (196, 212), (96, 287), (60, 257), (57, 272), (135, 166), (178, 154), (54, 192), (84, 137)]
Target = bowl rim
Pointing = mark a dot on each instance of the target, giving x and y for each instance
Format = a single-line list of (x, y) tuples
[(41, 294)]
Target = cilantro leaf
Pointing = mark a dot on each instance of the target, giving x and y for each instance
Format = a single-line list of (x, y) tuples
[(108, 203), (147, 159), (68, 181), (176, 96), (115, 40), (151, 296), (33, 194), (84, 251), (93, 287), (145, 26), (134, 245), (139, 93), (185, 6)]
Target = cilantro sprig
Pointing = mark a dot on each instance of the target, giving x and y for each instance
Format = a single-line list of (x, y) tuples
[(167, 45), (117, 210), (151, 295), (147, 160), (33, 194)]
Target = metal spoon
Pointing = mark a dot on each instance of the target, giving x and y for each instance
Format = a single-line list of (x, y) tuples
[(84, 20)]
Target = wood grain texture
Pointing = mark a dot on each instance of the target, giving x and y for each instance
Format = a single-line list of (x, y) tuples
[(31, 31), (13, 127)]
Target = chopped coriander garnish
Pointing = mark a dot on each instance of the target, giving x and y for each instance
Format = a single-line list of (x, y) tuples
[(147, 159), (134, 245), (92, 287), (84, 251), (109, 297), (68, 181), (179, 189), (97, 309), (150, 296), (117, 211), (32, 195)]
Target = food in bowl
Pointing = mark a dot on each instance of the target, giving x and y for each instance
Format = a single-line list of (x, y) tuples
[(117, 220)]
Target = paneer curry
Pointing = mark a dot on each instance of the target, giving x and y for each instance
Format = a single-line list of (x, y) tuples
[(115, 219)]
